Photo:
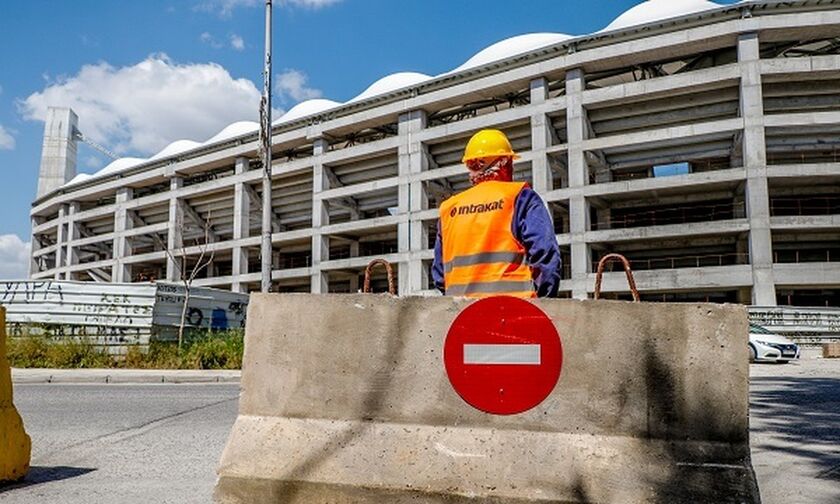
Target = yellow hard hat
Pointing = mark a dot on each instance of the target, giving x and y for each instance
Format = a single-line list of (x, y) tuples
[(488, 143)]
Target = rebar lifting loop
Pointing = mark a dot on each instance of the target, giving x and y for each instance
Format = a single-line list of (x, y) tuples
[(392, 286), (627, 271)]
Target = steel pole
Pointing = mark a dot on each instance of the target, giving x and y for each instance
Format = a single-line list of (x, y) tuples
[(265, 148)]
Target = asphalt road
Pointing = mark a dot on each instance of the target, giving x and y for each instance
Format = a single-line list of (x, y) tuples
[(160, 443), (123, 443), (795, 430)]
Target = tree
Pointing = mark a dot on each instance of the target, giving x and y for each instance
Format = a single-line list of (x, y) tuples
[(187, 274)]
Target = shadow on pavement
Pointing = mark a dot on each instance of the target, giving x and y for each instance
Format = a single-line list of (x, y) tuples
[(41, 474), (801, 413)]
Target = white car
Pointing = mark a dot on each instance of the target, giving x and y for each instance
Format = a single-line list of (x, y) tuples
[(768, 347)]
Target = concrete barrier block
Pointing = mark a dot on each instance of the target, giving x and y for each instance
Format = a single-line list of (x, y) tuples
[(831, 350), (345, 398), (15, 445)]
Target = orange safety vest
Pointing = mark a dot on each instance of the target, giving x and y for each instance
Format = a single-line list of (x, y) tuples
[(481, 256)]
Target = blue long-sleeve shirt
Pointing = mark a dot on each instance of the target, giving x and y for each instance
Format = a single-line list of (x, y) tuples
[(533, 228)]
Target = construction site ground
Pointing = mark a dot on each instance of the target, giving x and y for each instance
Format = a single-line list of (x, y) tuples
[(141, 442)]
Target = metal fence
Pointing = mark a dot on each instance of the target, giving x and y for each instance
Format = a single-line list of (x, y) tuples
[(117, 315), (802, 324)]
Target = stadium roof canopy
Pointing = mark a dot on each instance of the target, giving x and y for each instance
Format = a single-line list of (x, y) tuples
[(647, 12)]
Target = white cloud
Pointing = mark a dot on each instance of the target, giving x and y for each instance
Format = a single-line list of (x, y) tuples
[(93, 162), (237, 42), (312, 4), (7, 141), (14, 258), (144, 107), (290, 86), (225, 8), (209, 39)]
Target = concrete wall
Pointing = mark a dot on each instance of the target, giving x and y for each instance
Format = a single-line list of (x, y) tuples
[(350, 402)]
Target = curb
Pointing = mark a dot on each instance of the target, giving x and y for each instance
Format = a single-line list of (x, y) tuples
[(120, 376)]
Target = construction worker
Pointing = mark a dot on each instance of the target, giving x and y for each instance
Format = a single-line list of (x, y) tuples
[(495, 238)]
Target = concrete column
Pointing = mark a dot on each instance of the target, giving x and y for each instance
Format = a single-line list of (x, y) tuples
[(755, 163), (542, 178), (122, 247), (412, 234), (58, 153), (60, 239), (174, 238), (581, 257), (320, 217), (241, 226), (34, 264), (71, 256), (354, 280)]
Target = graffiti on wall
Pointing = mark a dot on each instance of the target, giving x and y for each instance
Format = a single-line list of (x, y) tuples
[(32, 292), (213, 317), (815, 320), (113, 309)]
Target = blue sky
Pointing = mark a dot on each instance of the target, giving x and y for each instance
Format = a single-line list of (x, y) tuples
[(141, 74)]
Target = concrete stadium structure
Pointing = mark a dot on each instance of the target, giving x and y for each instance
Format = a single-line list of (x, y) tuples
[(738, 105)]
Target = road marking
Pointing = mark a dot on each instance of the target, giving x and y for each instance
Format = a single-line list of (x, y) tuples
[(502, 354)]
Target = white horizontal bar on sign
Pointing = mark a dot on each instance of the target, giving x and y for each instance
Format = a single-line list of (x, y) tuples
[(502, 354)]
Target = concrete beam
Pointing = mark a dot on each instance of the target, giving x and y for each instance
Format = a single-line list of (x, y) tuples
[(652, 138), (256, 205), (682, 279), (803, 65), (691, 82), (668, 231), (805, 223), (807, 276), (348, 191), (201, 223), (831, 118)]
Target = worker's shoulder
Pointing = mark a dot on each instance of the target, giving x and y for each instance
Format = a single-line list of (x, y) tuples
[(496, 187), (489, 189)]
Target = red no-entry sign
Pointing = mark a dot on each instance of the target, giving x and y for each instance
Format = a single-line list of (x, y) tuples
[(503, 355)]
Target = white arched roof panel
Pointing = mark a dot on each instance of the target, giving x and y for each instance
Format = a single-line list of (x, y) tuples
[(78, 179), (512, 47), (651, 11), (119, 165), (391, 83), (176, 147), (307, 108), (234, 130)]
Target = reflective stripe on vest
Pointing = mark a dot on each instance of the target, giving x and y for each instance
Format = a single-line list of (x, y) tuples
[(484, 257), (490, 288), (481, 256)]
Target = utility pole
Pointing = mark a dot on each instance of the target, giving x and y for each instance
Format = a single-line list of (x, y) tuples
[(265, 150)]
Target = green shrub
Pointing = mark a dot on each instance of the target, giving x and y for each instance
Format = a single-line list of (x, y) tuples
[(214, 352), (207, 350), (75, 354), (41, 352), (28, 351)]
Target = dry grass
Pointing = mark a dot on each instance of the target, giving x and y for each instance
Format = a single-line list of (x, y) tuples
[(211, 350)]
